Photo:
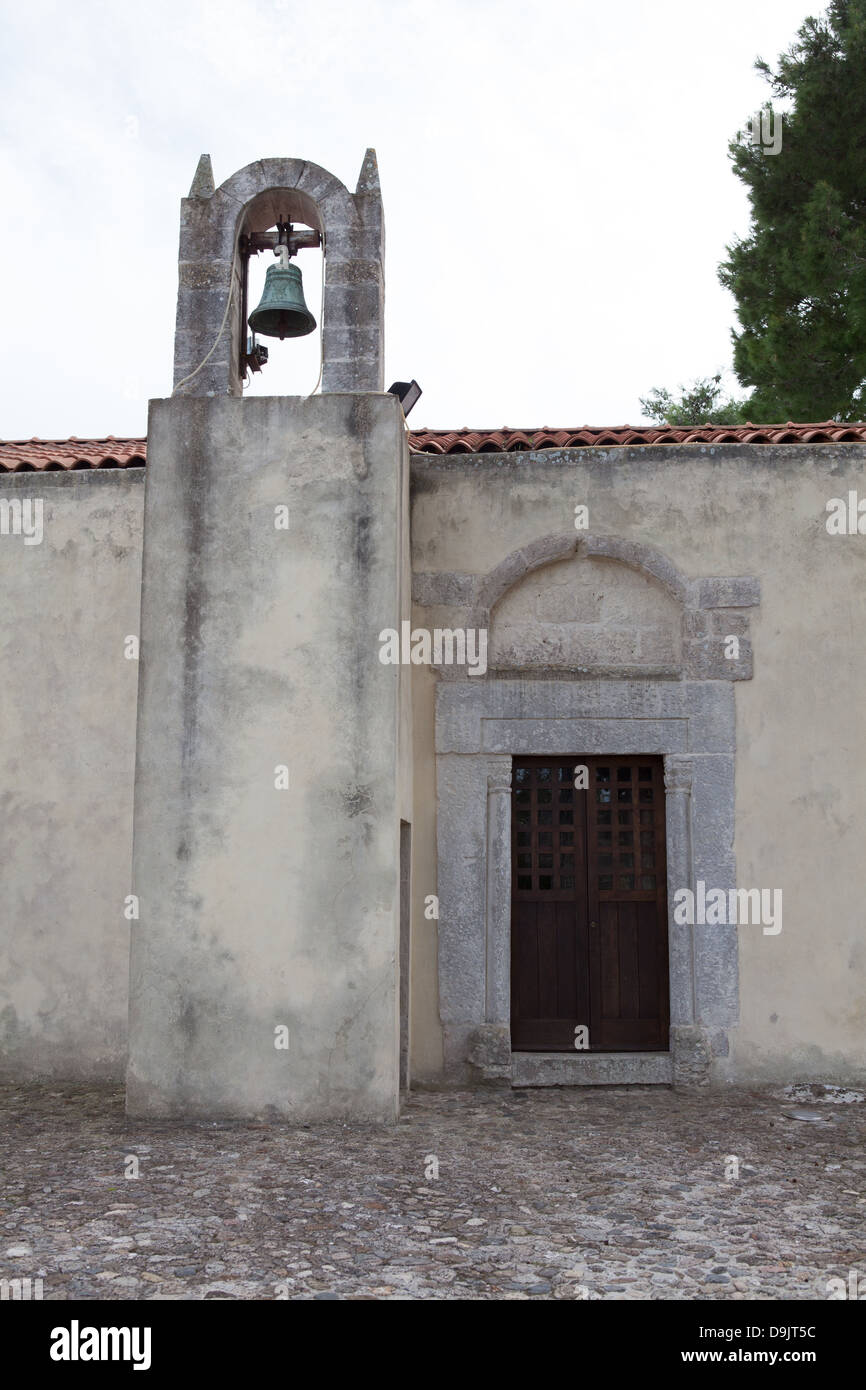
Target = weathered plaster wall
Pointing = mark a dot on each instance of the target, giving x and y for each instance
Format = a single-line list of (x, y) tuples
[(264, 908), (68, 709), (801, 719), (67, 756)]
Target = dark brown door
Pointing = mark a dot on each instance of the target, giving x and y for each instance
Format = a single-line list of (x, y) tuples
[(589, 905)]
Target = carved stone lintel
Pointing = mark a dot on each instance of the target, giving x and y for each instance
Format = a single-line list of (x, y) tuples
[(679, 772)]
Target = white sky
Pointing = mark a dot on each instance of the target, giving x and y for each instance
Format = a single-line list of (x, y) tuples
[(555, 177)]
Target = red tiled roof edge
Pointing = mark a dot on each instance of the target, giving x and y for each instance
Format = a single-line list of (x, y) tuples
[(51, 455), (506, 441)]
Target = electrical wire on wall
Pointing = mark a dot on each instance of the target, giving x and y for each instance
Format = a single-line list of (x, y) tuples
[(321, 326), (205, 360)]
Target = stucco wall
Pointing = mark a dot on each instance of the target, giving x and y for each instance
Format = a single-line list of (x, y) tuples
[(800, 721), (67, 754), (68, 714)]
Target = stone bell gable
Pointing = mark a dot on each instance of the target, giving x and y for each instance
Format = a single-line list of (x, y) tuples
[(212, 222)]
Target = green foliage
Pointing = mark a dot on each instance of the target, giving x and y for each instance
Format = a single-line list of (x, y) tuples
[(799, 277), (699, 404)]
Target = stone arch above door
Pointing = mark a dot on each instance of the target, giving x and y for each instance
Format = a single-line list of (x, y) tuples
[(677, 627), (587, 613)]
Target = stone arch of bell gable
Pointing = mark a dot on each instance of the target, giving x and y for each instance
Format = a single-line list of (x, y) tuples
[(210, 274)]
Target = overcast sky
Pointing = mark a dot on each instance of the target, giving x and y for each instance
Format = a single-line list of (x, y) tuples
[(555, 177)]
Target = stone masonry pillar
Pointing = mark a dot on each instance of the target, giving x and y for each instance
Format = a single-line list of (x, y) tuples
[(689, 1041), (265, 963), (490, 1048)]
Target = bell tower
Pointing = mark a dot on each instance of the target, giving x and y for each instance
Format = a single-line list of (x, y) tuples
[(273, 747), (219, 227)]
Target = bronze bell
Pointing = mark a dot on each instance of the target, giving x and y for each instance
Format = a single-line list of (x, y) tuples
[(281, 312)]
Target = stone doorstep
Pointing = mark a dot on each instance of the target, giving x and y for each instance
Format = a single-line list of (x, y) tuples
[(592, 1069)]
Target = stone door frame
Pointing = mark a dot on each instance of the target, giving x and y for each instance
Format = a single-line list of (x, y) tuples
[(686, 715), (479, 728)]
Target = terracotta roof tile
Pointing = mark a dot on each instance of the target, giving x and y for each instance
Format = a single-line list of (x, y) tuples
[(43, 455), (51, 455), (506, 440)]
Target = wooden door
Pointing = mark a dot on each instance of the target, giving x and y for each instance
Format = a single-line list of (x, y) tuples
[(589, 905)]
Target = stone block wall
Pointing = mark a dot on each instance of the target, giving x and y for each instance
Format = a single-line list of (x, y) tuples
[(264, 971)]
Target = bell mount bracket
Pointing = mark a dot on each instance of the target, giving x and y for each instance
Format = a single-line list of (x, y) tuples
[(252, 355)]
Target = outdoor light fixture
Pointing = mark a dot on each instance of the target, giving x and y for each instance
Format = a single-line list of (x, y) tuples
[(407, 393), (257, 354)]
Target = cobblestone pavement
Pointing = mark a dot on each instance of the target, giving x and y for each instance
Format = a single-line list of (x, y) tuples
[(603, 1193)]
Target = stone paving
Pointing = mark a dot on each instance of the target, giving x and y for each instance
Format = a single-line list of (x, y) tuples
[(598, 1193)]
